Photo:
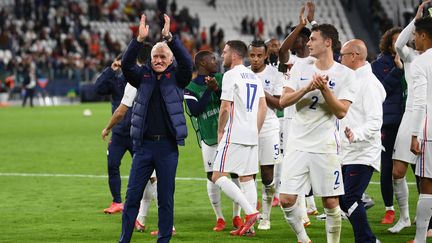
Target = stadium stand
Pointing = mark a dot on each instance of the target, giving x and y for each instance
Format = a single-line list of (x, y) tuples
[(228, 15), (74, 40)]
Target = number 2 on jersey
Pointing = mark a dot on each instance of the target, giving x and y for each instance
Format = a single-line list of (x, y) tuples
[(250, 96), (314, 102)]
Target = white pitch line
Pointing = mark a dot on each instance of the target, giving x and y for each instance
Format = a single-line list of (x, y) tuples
[(85, 176), (123, 177)]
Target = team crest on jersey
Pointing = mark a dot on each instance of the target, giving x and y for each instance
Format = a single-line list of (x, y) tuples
[(332, 84)]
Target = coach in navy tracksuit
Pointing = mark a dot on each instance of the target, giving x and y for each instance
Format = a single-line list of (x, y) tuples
[(113, 83), (158, 124), (385, 69)]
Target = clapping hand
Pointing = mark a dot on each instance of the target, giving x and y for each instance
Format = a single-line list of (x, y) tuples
[(166, 29), (143, 30), (320, 81), (311, 11), (211, 83), (420, 9)]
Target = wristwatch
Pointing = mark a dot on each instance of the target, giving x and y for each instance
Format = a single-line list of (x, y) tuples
[(314, 23), (168, 38)]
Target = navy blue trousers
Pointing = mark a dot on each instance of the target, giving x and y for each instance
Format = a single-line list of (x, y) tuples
[(117, 147), (162, 156), (388, 138), (356, 179)]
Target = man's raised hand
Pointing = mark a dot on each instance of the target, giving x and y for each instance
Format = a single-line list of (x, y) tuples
[(166, 28), (143, 30)]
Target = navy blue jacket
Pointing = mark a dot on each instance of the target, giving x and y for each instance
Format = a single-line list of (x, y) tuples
[(391, 78), (173, 80), (108, 83)]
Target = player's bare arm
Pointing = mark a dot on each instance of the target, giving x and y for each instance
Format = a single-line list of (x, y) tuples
[(223, 117), (262, 111), (338, 107), (118, 115), (290, 97), (272, 100), (288, 43)]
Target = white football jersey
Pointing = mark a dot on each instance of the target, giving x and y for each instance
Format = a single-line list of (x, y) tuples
[(314, 128), (244, 89), (272, 81), (129, 95), (294, 60), (421, 69), (407, 55)]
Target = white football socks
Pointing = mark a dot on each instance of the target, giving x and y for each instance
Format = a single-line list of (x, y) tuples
[(293, 216), (400, 188), (234, 192), (236, 206), (333, 224), (145, 203), (424, 213), (214, 194), (250, 192), (267, 199), (276, 177), (302, 205)]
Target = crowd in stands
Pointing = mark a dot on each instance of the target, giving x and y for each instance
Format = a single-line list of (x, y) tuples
[(65, 46)]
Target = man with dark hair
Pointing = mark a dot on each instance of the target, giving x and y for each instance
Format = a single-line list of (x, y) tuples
[(273, 46), (322, 91), (421, 70), (241, 116), (29, 82), (389, 70), (112, 82), (402, 156), (158, 124), (202, 97), (297, 39), (268, 142), (296, 43)]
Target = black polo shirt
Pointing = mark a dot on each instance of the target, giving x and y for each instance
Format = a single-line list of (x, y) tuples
[(157, 119)]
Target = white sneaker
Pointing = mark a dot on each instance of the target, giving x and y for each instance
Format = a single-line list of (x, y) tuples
[(312, 211), (322, 216), (400, 225), (264, 224)]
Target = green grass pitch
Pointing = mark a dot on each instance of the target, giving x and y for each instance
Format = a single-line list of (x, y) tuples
[(61, 141)]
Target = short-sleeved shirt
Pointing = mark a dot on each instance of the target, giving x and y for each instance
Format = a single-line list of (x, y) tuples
[(272, 81), (244, 89), (294, 60), (314, 127), (129, 95)]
